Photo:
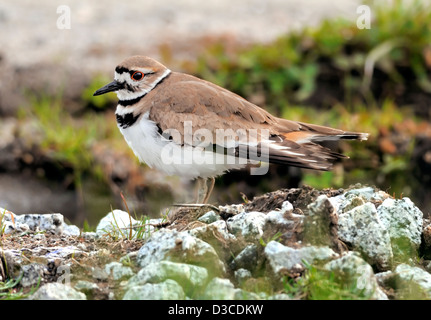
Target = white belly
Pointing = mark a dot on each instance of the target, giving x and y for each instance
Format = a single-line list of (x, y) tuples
[(171, 158)]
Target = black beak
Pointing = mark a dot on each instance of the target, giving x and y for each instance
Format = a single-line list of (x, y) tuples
[(113, 86)]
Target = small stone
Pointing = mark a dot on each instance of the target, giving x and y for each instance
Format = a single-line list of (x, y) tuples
[(283, 259), (115, 223), (99, 274), (86, 286), (408, 277), (209, 217), (118, 271), (71, 230), (241, 275), (354, 271), (187, 275), (402, 219), (363, 228), (177, 246), (57, 291), (32, 274), (246, 259), (167, 290), (249, 225), (220, 289)]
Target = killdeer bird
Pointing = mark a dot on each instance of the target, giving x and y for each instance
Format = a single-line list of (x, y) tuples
[(186, 126)]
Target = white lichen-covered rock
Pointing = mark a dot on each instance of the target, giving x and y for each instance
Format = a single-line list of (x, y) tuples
[(218, 228), (402, 219), (166, 290), (248, 225), (189, 276), (364, 230), (57, 291), (356, 197), (118, 271), (407, 275), (356, 273), (178, 246), (276, 217), (220, 289), (284, 259)]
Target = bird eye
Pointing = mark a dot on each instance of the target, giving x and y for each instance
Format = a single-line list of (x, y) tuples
[(137, 75)]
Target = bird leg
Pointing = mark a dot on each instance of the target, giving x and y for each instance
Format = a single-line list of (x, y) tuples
[(209, 190)]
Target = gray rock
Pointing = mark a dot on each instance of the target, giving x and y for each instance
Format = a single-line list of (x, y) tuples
[(86, 286), (115, 223), (99, 274), (220, 289), (402, 219), (189, 276), (209, 217), (279, 296), (248, 225), (363, 229), (245, 295), (242, 275), (32, 274), (71, 230), (177, 246), (57, 291), (407, 276), (167, 290), (118, 271), (276, 217), (218, 227), (284, 259), (53, 222), (354, 271), (246, 259), (356, 197)]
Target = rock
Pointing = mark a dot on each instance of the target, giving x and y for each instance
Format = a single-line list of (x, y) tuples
[(241, 275), (356, 197), (279, 296), (115, 223), (248, 225), (118, 271), (276, 217), (166, 290), (57, 291), (220, 289), (177, 246), (71, 230), (354, 272), (31, 274), (284, 260), (411, 279), (99, 274), (53, 222), (218, 228), (246, 259), (245, 295), (190, 277), (402, 219), (363, 229), (86, 287), (209, 217)]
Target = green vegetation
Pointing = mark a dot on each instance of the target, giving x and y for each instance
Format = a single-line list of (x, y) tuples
[(320, 284)]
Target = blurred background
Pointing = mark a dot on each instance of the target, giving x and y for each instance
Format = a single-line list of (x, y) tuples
[(323, 62)]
